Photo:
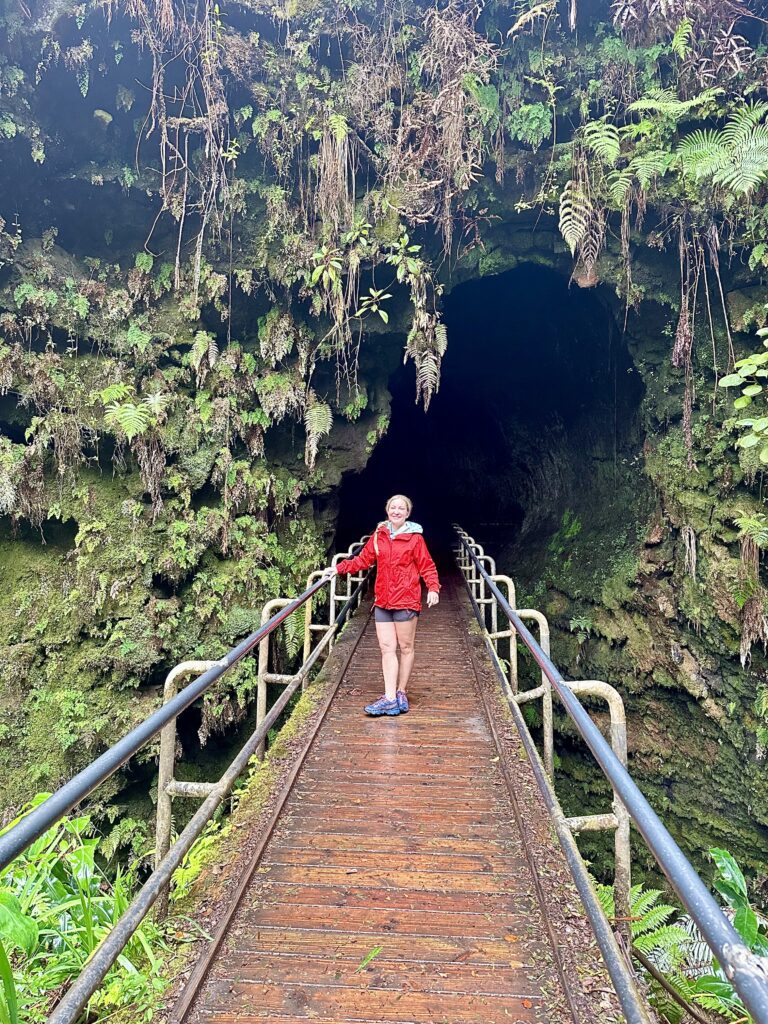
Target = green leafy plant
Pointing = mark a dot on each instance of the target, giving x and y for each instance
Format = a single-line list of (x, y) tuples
[(56, 905), (582, 626), (735, 156)]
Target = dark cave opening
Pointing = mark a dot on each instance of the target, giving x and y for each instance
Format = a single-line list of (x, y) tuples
[(536, 414)]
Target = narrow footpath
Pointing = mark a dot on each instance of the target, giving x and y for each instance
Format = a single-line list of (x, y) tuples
[(396, 885)]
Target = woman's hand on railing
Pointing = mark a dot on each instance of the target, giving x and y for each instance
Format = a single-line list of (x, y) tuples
[(330, 572), (433, 598)]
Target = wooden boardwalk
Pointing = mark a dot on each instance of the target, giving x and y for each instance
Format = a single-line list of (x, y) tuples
[(398, 845)]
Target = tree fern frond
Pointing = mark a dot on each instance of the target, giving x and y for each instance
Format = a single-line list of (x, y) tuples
[(620, 185), (669, 940), (338, 126), (743, 123), (663, 102), (681, 40), (318, 420), (648, 166), (702, 153), (575, 214), (602, 139)]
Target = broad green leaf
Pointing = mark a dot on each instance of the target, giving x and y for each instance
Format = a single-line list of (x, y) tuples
[(764, 455), (742, 402), (733, 380), (728, 870), (753, 390), (16, 929), (749, 441), (745, 923)]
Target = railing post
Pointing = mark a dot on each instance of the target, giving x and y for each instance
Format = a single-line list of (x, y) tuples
[(622, 869), (164, 814)]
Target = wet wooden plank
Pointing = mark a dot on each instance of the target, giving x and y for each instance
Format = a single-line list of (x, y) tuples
[(392, 878), (426, 901), (383, 972), (316, 857), (372, 842), (243, 1002), (284, 913), (467, 950)]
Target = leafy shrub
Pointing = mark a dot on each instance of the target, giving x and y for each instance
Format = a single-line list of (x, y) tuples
[(56, 905)]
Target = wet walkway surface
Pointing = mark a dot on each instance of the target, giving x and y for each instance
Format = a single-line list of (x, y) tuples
[(395, 886)]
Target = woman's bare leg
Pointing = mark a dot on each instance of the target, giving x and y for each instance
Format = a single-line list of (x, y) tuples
[(406, 636), (387, 637)]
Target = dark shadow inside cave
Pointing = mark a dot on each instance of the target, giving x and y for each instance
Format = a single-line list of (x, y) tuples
[(535, 423)]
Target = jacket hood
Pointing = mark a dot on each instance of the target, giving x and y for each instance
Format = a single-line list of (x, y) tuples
[(407, 527)]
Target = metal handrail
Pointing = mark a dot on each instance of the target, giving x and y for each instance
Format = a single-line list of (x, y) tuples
[(43, 817), (747, 972), (40, 819)]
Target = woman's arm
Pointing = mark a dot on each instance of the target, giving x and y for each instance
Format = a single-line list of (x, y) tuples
[(364, 560), (426, 567)]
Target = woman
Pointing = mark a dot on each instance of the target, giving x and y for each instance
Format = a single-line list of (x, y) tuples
[(398, 548)]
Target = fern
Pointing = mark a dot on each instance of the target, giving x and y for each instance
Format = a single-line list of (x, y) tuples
[(115, 392), (761, 702), (427, 376), (318, 420), (735, 156), (441, 339), (660, 101), (681, 40), (648, 166), (338, 126), (127, 418), (293, 634), (754, 526), (602, 139), (620, 185), (576, 212), (157, 403)]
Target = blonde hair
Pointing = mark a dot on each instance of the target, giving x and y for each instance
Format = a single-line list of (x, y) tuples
[(402, 497), (408, 505)]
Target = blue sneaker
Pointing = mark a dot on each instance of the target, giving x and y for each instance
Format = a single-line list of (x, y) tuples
[(383, 707), (402, 702)]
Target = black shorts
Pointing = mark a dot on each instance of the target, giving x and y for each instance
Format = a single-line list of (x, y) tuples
[(394, 614)]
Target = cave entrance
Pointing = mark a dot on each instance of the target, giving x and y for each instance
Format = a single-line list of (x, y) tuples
[(534, 432)]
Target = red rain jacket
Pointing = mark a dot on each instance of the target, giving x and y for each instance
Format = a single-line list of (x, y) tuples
[(402, 560)]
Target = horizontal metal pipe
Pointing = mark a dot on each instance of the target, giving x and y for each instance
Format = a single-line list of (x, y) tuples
[(747, 971), (38, 821), (74, 1002), (76, 999)]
